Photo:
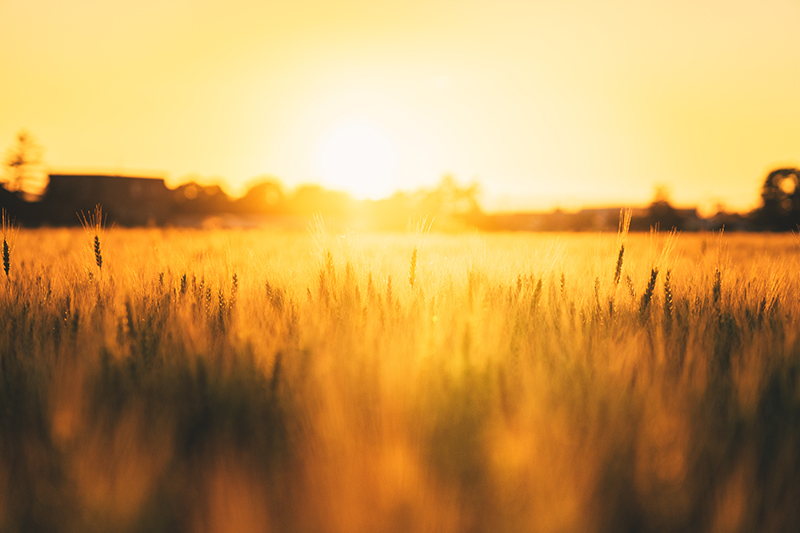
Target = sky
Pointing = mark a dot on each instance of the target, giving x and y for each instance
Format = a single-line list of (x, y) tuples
[(545, 103)]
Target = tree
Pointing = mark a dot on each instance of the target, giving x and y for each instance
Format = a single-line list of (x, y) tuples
[(451, 199), (780, 201), (661, 213), (22, 166), (263, 197)]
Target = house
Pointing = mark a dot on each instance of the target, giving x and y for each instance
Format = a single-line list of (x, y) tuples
[(127, 200)]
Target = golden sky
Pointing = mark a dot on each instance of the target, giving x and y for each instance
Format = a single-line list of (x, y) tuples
[(546, 103)]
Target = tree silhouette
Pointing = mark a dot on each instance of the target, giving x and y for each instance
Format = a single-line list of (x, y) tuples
[(449, 198), (22, 165), (263, 197), (780, 201), (661, 213)]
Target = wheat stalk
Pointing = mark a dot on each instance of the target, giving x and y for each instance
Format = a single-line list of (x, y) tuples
[(618, 269), (668, 300), (412, 270), (9, 231), (234, 289), (420, 230), (648, 293), (93, 224), (716, 290), (6, 257), (622, 237)]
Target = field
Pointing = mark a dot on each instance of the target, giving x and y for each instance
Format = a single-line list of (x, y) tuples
[(321, 381)]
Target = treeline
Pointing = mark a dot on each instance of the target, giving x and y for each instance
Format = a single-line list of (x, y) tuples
[(138, 201), (141, 201), (449, 204)]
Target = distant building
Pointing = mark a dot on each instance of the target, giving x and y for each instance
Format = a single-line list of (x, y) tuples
[(127, 200)]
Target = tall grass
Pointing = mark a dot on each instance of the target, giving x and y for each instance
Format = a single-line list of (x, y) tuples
[(261, 380)]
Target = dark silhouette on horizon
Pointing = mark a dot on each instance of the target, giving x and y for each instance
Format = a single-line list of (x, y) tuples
[(780, 201), (129, 201), (147, 201), (141, 201)]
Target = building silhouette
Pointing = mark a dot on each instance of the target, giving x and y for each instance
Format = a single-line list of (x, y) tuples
[(127, 200)]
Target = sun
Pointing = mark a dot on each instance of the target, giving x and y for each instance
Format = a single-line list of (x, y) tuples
[(359, 156)]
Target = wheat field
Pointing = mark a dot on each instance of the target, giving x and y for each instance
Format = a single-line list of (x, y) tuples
[(327, 381)]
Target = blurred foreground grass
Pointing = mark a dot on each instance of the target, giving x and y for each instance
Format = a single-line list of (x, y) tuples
[(269, 381)]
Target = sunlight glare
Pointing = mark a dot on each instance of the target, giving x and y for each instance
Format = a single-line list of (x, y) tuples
[(358, 156)]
